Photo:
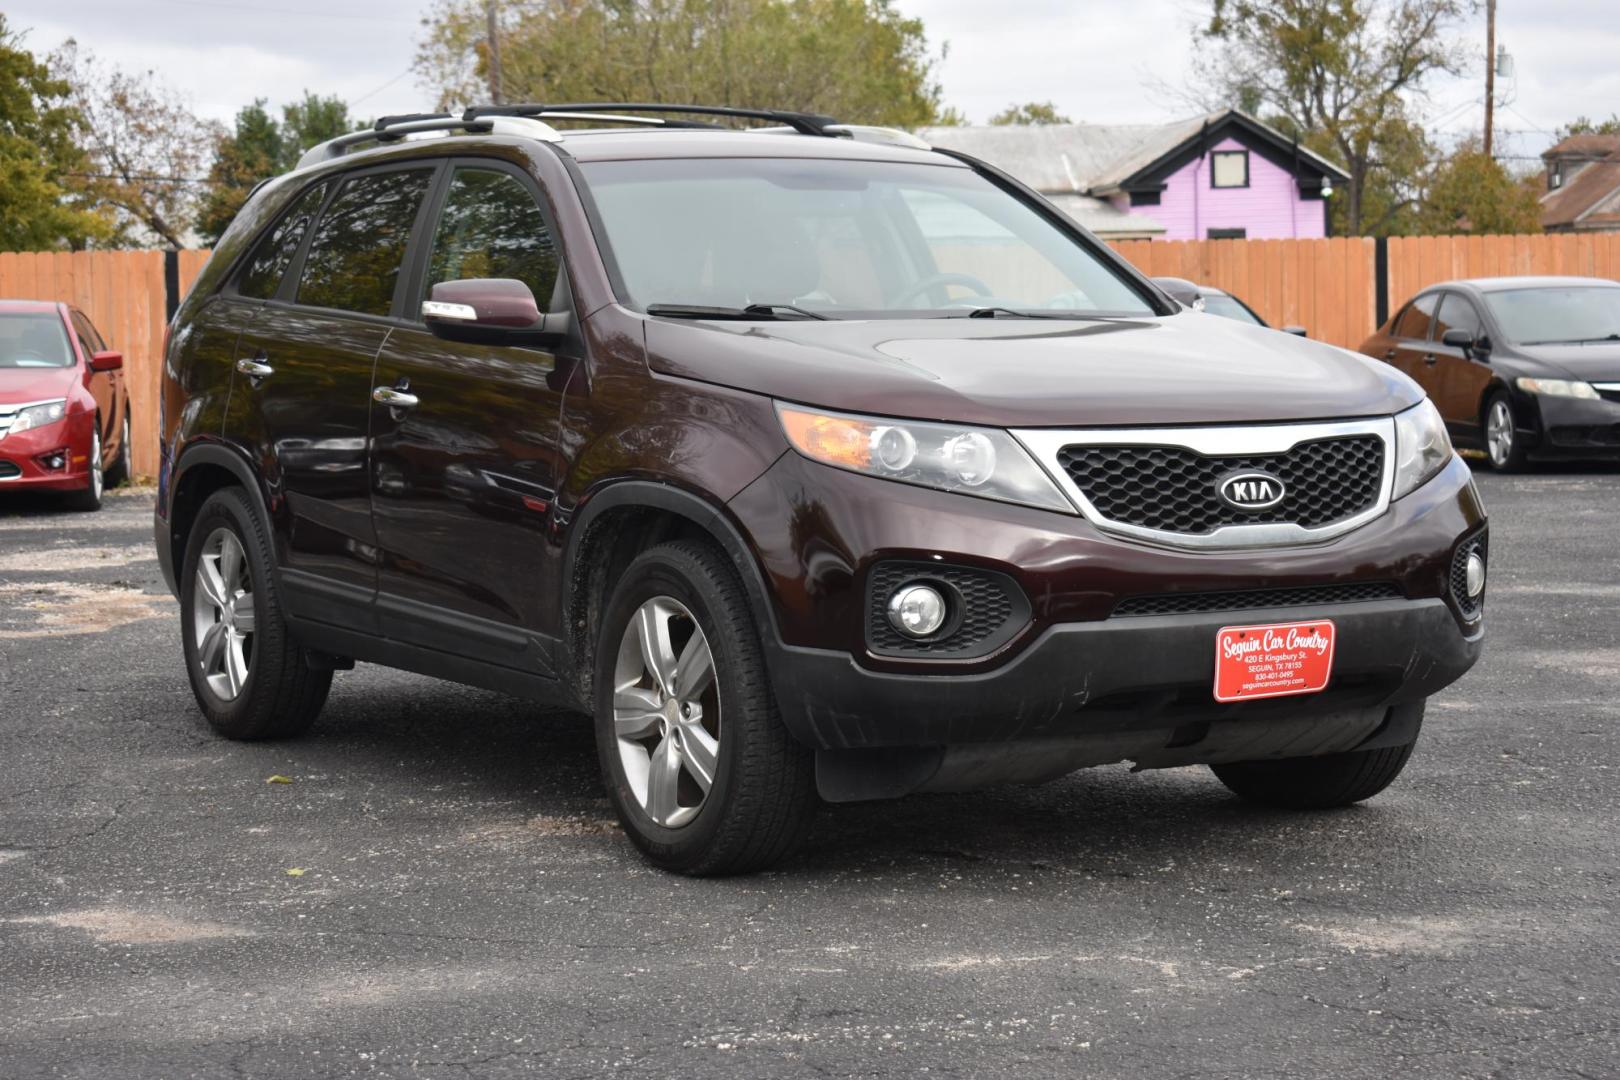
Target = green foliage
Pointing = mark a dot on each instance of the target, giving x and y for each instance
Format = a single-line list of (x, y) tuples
[(1584, 126), (1473, 193), (1031, 112), (859, 60), (1345, 74), (259, 147), (41, 201)]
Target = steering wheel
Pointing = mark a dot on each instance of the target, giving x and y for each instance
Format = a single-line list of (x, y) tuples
[(967, 281)]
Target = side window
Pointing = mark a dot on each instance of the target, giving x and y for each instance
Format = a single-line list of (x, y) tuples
[(1415, 320), (491, 227), (359, 243), (87, 334), (261, 277), (1458, 313)]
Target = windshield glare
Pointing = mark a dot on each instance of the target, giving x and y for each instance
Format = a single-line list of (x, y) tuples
[(851, 238), (33, 339), (1562, 314)]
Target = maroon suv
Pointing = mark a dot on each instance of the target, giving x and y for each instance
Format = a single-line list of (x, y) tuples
[(815, 463)]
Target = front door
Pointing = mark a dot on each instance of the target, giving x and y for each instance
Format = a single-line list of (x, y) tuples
[(463, 481), (301, 399), (1460, 380)]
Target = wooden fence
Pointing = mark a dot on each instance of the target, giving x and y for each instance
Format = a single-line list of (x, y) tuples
[(124, 293), (1331, 287)]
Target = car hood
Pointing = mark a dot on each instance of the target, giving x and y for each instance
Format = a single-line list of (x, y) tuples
[(1598, 360), (35, 384), (1184, 368)]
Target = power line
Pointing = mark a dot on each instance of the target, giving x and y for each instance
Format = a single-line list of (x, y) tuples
[(147, 179)]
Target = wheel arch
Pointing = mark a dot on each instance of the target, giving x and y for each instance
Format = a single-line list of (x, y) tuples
[(201, 470), (618, 522)]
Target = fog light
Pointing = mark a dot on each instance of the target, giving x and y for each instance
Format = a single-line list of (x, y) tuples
[(917, 610), (1475, 576)]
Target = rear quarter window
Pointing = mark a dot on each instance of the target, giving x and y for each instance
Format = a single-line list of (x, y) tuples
[(265, 268)]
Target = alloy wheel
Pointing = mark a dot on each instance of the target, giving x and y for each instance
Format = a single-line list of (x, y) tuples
[(666, 712), (1499, 433), (96, 479), (222, 615)]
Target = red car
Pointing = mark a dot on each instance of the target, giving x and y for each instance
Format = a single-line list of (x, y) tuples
[(64, 409)]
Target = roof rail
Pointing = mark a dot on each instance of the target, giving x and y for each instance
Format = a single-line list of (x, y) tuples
[(803, 123), (395, 128)]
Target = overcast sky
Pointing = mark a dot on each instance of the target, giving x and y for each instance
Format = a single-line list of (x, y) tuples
[(1099, 61)]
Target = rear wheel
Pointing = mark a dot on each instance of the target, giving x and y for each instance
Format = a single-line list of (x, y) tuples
[(119, 473), (705, 777), (1503, 446), (1316, 783), (250, 678), (88, 497)]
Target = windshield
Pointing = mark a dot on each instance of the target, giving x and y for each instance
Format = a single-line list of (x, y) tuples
[(1557, 315), (841, 238), (33, 339), (1228, 308)]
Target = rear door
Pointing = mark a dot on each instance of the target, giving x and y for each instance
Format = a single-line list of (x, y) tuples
[(103, 384), (301, 399), (1410, 350), (1460, 382), (464, 480)]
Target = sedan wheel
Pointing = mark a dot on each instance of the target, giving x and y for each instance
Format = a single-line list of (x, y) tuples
[(666, 712), (1499, 433), (222, 615)]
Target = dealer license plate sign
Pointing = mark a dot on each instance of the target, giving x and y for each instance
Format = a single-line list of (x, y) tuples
[(1274, 660)]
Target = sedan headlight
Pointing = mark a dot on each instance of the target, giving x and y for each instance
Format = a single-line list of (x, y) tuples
[(1558, 388), (36, 416), (985, 462), (1422, 446)]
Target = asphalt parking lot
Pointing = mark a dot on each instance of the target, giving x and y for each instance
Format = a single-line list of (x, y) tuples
[(466, 907)]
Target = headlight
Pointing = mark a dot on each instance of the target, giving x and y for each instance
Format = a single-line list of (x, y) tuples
[(35, 416), (1558, 388), (1422, 446), (974, 461)]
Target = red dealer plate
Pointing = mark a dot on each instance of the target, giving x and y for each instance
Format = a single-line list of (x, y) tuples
[(1274, 660)]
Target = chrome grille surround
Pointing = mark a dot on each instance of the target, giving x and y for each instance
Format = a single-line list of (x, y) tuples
[(1046, 444)]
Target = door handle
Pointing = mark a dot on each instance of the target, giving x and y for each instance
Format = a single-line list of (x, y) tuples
[(1431, 359), (394, 399), (1389, 354), (255, 368)]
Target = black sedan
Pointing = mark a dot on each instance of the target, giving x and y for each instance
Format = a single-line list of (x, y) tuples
[(1215, 301), (1524, 368)]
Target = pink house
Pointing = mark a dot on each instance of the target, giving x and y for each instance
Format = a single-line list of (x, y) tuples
[(1222, 175)]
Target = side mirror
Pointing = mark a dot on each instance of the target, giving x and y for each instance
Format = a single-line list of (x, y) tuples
[(1297, 331), (1470, 345), (493, 310), (107, 361)]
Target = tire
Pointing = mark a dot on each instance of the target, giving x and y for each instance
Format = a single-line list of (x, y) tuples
[(1316, 783), (256, 683), (88, 498), (761, 795), (1507, 456), (119, 473)]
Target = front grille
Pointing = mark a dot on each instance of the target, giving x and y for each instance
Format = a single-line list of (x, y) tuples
[(1171, 489), (1237, 600), (9, 470), (1469, 606), (1586, 436), (987, 609)]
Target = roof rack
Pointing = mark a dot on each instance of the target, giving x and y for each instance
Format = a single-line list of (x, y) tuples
[(395, 128), (803, 123)]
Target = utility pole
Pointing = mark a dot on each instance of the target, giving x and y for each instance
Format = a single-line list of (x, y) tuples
[(1491, 68), (493, 45)]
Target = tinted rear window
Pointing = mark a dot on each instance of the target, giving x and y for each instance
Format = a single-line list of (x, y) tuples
[(1415, 320), (262, 275), (34, 339), (355, 255)]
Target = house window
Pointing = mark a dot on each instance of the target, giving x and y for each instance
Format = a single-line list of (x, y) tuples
[(1144, 198), (1555, 177), (1230, 168), (1229, 234)]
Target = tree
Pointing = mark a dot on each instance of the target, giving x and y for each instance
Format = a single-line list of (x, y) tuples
[(1031, 112), (259, 147), (41, 165), (146, 147), (1349, 71), (1585, 126), (859, 60), (1472, 193)]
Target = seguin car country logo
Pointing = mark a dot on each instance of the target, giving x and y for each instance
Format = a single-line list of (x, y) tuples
[(1250, 490)]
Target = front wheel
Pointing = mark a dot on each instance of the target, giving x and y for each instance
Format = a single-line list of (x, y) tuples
[(704, 776), (1316, 783), (1503, 446), (88, 498)]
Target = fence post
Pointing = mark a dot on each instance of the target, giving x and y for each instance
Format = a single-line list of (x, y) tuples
[(171, 284), (1380, 280)]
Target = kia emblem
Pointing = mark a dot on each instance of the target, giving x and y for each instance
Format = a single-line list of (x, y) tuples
[(1250, 490)]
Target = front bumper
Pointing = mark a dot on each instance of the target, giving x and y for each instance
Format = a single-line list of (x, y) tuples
[(23, 456), (1572, 428)]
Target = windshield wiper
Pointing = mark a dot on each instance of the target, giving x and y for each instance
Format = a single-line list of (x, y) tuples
[(752, 311), (998, 312), (1576, 340)]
